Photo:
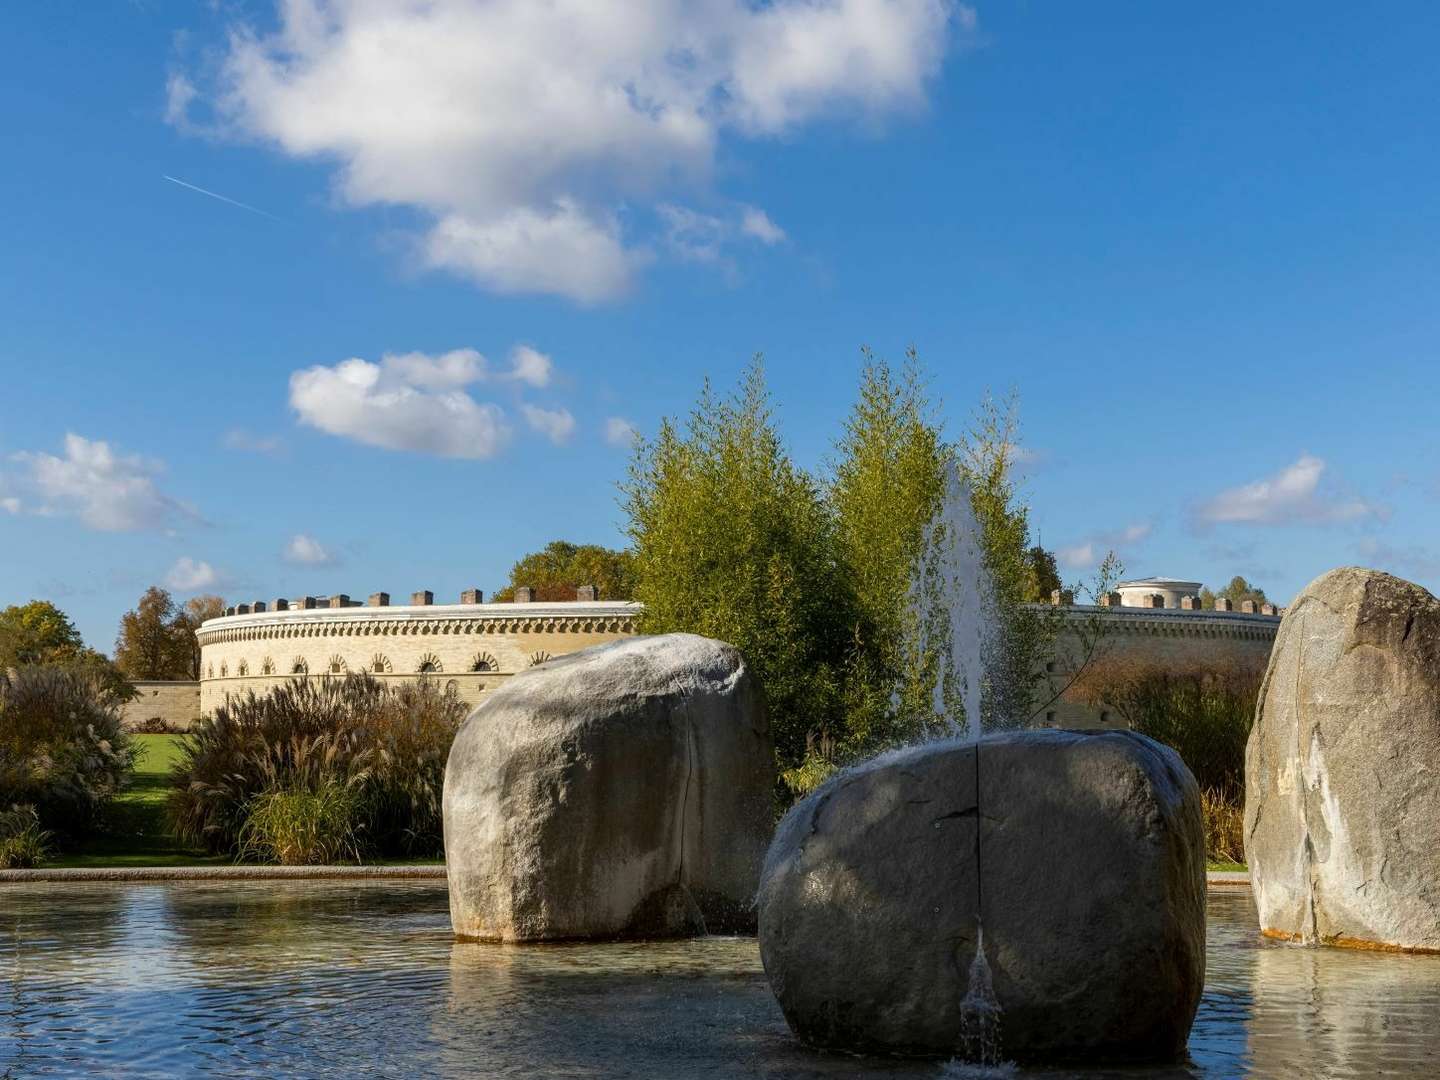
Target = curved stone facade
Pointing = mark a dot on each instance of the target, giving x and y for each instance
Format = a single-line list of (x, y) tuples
[(473, 646), (1182, 636), (476, 646)]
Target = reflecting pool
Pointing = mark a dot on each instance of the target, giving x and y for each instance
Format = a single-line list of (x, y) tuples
[(344, 979)]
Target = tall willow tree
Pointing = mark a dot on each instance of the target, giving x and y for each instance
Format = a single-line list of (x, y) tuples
[(814, 581), (886, 484), (734, 541)]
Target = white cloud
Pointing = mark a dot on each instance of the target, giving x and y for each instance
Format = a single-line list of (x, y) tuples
[(756, 223), (557, 425), (250, 442), (521, 129), (531, 366), (107, 491), (190, 575), (1077, 556), (691, 235), (407, 402), (448, 371), (10, 504), (620, 432), (1294, 495), (1089, 552), (305, 550), (554, 250), (1413, 561)]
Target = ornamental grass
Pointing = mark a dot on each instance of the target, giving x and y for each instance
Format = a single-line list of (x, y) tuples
[(258, 757), (23, 843), (63, 752)]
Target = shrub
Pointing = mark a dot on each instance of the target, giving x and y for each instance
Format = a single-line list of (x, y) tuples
[(388, 746), (301, 827), (1204, 711), (23, 843), (62, 749), (156, 725), (1224, 826)]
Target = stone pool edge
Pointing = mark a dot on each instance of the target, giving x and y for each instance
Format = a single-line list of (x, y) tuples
[(316, 873), (222, 873)]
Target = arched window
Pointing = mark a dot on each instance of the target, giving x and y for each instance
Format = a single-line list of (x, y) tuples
[(337, 665), (223, 669), (267, 666), (483, 661), (209, 671), (538, 658), (380, 664), (298, 666), (242, 668), (430, 664)]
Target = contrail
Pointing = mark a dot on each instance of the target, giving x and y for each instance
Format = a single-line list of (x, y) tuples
[(222, 198)]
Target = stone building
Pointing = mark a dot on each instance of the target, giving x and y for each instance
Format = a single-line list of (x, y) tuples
[(1153, 620), (473, 645), (469, 646)]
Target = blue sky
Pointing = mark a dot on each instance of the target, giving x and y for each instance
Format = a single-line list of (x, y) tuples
[(1201, 248)]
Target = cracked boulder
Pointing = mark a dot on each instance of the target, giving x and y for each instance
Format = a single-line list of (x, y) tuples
[(1083, 855), (620, 791), (1342, 770)]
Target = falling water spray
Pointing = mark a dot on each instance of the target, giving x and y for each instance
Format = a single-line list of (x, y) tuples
[(954, 608)]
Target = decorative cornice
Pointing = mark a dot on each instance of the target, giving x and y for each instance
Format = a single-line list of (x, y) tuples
[(575, 617), (1176, 622)]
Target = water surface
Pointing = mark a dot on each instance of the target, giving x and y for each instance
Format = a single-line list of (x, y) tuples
[(343, 979)]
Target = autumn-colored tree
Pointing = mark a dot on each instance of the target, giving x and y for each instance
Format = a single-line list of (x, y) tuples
[(557, 570), (157, 639), (146, 647), (195, 611)]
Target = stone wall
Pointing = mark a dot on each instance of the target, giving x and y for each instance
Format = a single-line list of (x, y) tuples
[(1182, 637), (176, 703), (478, 646), (470, 646)]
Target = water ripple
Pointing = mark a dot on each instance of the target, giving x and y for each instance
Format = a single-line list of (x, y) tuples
[(334, 979)]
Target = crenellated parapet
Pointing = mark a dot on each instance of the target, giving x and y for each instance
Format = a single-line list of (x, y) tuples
[(467, 646), (599, 617)]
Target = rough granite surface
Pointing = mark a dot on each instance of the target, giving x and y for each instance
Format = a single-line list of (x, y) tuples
[(1090, 883), (1342, 770), (620, 791)]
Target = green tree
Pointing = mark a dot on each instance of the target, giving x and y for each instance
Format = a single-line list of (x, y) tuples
[(1239, 589), (734, 541), (560, 567), (1044, 575), (886, 485), (40, 634), (1027, 626), (37, 633)]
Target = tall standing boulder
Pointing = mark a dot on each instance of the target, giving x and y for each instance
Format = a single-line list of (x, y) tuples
[(1342, 770), (1083, 855), (623, 790)]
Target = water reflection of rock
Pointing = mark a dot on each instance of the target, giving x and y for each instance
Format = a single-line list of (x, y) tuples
[(1333, 1013)]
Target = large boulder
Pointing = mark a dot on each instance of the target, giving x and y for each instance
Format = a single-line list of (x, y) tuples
[(1342, 771), (1090, 879), (623, 790)]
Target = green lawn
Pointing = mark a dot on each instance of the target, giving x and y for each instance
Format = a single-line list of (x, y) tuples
[(134, 832)]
